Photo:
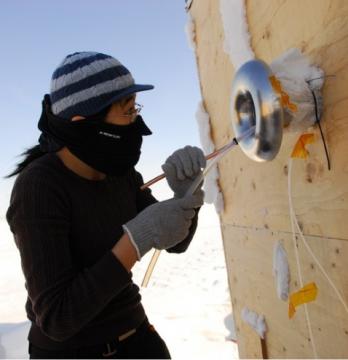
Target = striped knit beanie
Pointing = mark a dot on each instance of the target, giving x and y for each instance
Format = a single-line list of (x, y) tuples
[(87, 82)]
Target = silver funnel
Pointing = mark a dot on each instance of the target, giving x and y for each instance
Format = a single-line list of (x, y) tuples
[(256, 103)]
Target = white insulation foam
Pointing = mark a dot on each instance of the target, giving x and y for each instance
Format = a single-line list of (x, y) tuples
[(298, 77), (256, 321), (211, 187), (281, 271), (190, 31), (237, 37)]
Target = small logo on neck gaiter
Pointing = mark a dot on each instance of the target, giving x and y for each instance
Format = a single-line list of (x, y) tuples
[(109, 135)]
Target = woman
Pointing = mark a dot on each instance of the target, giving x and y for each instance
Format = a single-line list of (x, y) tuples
[(80, 220)]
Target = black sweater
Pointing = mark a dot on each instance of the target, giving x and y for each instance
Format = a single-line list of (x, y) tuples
[(64, 226)]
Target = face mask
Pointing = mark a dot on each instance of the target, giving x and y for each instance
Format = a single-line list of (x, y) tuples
[(108, 148)]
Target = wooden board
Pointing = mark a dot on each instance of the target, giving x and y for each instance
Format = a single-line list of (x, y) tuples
[(255, 194), (249, 254)]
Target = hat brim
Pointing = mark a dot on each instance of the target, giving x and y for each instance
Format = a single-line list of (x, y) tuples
[(130, 90)]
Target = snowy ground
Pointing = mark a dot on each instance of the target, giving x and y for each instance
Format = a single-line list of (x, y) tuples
[(187, 299)]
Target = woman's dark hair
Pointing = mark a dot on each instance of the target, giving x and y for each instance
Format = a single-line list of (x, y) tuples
[(30, 155), (35, 152)]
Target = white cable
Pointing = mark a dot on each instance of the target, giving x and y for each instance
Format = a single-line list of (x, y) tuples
[(292, 225), (292, 219)]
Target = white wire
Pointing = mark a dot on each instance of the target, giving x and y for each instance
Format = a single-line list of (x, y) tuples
[(292, 225), (292, 219)]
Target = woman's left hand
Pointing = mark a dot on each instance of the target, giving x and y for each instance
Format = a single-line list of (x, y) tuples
[(182, 168)]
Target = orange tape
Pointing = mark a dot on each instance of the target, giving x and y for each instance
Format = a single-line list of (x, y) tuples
[(307, 294), (300, 150), (284, 97)]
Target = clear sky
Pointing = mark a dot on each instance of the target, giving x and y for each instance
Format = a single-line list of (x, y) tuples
[(148, 37)]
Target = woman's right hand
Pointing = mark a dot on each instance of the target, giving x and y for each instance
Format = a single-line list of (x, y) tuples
[(164, 224)]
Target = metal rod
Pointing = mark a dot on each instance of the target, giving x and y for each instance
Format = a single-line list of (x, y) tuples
[(217, 152), (150, 268), (218, 155)]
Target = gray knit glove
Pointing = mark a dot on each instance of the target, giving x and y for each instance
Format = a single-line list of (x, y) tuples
[(182, 167), (163, 224)]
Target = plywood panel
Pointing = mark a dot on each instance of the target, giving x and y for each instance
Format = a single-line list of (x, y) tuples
[(256, 203), (249, 255)]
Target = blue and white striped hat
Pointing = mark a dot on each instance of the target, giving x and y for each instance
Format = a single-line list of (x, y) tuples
[(86, 82)]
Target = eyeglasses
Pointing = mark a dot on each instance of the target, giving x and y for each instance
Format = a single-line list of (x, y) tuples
[(135, 111)]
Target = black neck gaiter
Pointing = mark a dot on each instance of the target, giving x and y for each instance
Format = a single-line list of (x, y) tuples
[(108, 148)]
